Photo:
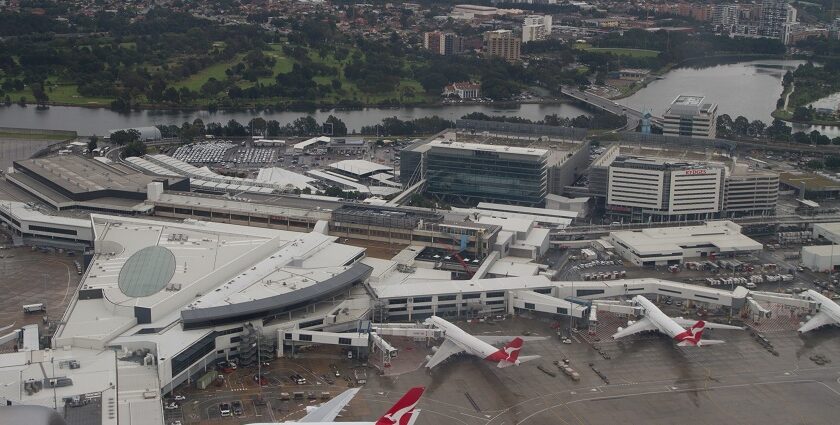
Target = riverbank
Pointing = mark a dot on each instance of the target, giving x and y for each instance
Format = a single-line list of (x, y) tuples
[(297, 108), (787, 116)]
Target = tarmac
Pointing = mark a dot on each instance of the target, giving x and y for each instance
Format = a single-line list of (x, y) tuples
[(651, 381)]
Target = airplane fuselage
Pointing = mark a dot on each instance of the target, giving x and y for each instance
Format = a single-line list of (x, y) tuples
[(659, 319), (470, 344)]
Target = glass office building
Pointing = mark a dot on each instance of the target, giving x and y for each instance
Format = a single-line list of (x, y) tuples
[(467, 172)]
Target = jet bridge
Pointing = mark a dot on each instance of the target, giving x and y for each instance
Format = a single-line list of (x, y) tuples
[(532, 301)]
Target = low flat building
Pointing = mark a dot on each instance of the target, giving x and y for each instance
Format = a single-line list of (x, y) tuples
[(33, 226), (75, 182), (827, 231), (672, 245), (821, 258)]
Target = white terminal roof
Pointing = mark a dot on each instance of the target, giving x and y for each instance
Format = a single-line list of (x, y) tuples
[(488, 148), (208, 259), (23, 212), (490, 206), (724, 235), (284, 177), (309, 142), (359, 167)]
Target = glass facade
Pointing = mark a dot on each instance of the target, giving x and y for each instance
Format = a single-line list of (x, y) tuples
[(479, 175)]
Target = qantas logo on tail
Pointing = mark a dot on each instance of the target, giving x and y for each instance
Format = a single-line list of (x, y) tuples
[(692, 335), (400, 413), (509, 353)]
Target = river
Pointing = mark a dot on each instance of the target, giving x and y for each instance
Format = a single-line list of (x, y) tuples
[(748, 88), (87, 121)]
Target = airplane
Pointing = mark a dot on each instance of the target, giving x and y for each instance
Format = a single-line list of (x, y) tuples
[(655, 320), (829, 313), (401, 413), (458, 341)]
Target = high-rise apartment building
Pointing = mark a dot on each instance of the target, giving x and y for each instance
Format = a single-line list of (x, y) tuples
[(775, 15), (536, 27), (502, 43), (443, 43), (690, 116)]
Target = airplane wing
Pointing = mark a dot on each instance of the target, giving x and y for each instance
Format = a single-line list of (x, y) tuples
[(523, 359), (644, 324), (504, 339), (329, 410), (820, 319), (447, 349), (708, 325)]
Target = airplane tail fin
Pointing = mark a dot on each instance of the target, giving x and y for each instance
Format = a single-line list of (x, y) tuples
[(509, 354), (691, 337), (512, 349), (402, 412)]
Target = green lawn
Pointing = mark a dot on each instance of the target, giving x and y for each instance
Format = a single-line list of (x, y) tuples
[(636, 53), (60, 93), (217, 71)]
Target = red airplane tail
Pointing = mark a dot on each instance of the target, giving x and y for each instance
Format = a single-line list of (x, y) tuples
[(692, 335), (401, 412), (507, 354)]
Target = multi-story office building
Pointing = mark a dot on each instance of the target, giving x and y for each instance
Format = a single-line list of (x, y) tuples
[(536, 27), (750, 192), (690, 116), (502, 43), (433, 41), (466, 172), (655, 189)]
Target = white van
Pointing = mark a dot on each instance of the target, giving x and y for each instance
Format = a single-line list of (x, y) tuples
[(34, 308)]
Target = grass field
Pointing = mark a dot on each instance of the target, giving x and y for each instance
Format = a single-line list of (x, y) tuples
[(60, 93), (35, 135), (636, 53)]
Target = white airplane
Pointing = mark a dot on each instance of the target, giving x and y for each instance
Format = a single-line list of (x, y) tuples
[(829, 312), (401, 413), (655, 320), (458, 341)]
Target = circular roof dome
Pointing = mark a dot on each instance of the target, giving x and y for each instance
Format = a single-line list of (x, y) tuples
[(147, 271)]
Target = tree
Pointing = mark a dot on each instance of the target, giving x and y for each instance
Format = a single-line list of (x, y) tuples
[(740, 125), (802, 113), (257, 126), (135, 148), (814, 164), (832, 162), (756, 128), (272, 128), (337, 125), (41, 97), (835, 141), (93, 141), (779, 130), (124, 137)]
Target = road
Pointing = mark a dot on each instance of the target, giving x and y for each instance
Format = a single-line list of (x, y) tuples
[(633, 116)]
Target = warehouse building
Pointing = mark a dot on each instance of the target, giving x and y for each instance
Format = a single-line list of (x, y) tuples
[(672, 245), (821, 258), (75, 182)]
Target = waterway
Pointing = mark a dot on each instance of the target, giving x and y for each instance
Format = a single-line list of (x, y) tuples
[(87, 121), (748, 88)]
